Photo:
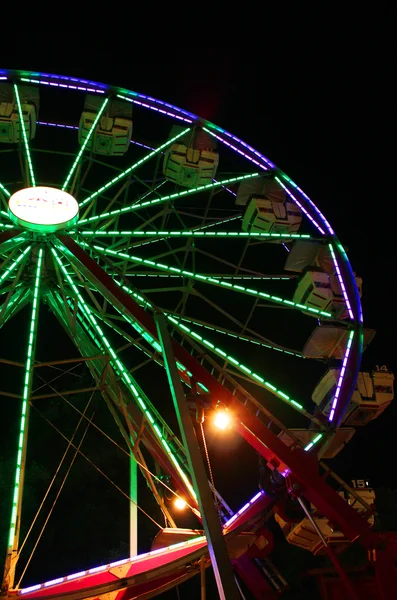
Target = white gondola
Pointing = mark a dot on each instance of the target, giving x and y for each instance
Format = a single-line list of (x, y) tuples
[(329, 341), (304, 534), (192, 161), (373, 393), (263, 215), (317, 289), (304, 254), (321, 291), (10, 126), (112, 135), (259, 187)]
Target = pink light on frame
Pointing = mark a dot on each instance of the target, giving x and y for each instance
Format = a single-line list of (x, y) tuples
[(103, 568), (243, 509)]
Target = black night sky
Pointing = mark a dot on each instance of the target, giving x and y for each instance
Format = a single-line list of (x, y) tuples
[(325, 119)]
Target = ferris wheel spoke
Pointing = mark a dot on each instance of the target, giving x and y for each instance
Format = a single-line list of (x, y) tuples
[(163, 199), (6, 225), (216, 282), (4, 193), (14, 302), (84, 144), (153, 354), (89, 320), (233, 334), (13, 539), (253, 377), (258, 379), (155, 240), (15, 262), (237, 267), (10, 240), (191, 233), (25, 137), (132, 168), (144, 333)]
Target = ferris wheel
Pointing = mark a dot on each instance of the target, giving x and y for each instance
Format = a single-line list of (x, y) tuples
[(180, 261)]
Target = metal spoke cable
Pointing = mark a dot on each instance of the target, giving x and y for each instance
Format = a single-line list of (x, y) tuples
[(82, 416), (47, 383), (126, 452), (97, 468), (58, 493)]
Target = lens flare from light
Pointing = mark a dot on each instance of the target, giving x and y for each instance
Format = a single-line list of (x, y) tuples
[(179, 504), (222, 419)]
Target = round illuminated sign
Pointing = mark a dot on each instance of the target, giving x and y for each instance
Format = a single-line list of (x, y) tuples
[(44, 209)]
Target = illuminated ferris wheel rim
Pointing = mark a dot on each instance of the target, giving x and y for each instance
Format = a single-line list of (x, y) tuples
[(353, 351)]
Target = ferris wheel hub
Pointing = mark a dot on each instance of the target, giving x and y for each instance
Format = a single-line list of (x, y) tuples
[(43, 209)]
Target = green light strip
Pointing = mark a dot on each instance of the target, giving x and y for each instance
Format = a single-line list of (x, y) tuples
[(206, 279), (80, 154), (312, 443), (25, 139), (238, 337), (240, 366), (134, 207), (154, 343), (220, 277), (6, 226), (5, 191), (14, 264), (221, 222), (148, 337), (129, 170), (123, 372), (25, 398), (189, 233)]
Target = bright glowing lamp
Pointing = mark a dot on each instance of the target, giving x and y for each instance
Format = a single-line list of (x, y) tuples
[(222, 419), (179, 504)]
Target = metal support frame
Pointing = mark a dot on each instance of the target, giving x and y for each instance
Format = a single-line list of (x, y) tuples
[(303, 466), (221, 564), (331, 554)]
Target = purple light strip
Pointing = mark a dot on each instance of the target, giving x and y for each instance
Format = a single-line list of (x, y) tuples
[(159, 110), (192, 116), (320, 214), (259, 164), (143, 145), (300, 205), (243, 509), (76, 127), (57, 125), (250, 148), (226, 188), (3, 78), (341, 282), (33, 588), (63, 85), (341, 376), (66, 78)]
